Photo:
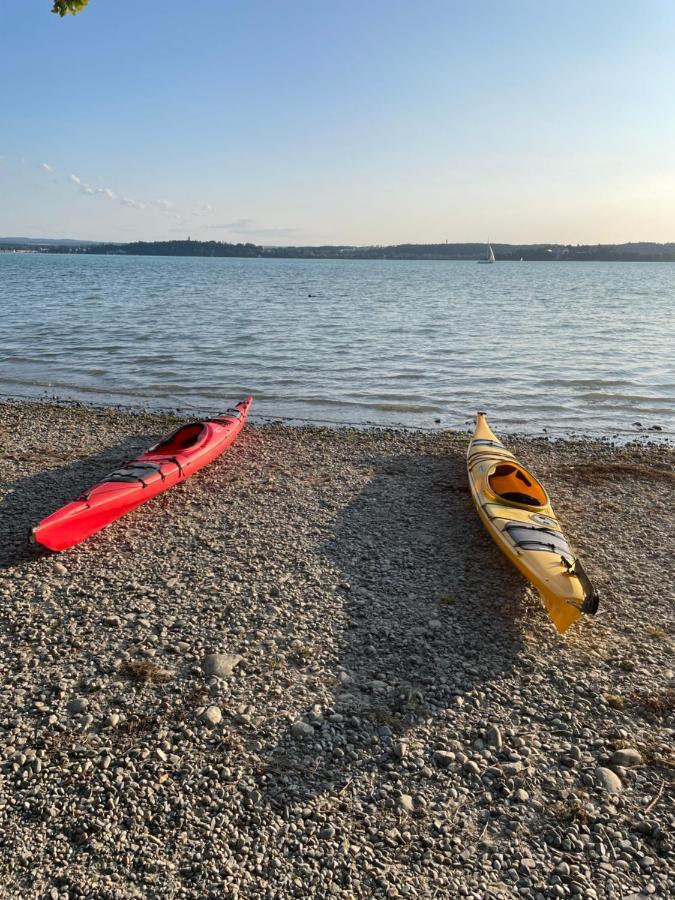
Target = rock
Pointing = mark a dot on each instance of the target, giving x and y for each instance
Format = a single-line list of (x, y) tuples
[(302, 730), (626, 757), (406, 802), (471, 767), (327, 833), (212, 716), (221, 665), (521, 796), (77, 705), (60, 568), (400, 749), (527, 865), (443, 758), (494, 737), (608, 780), (112, 621)]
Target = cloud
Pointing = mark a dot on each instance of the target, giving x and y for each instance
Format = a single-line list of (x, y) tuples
[(46, 167), (106, 192), (162, 204), (237, 225), (82, 185), (204, 210), (248, 227), (132, 204)]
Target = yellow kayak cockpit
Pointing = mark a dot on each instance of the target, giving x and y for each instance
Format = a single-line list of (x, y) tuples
[(514, 484), (516, 511)]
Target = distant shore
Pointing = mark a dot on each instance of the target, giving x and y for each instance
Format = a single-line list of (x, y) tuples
[(391, 714), (470, 252)]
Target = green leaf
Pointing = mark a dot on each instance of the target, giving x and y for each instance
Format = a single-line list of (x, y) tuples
[(63, 7)]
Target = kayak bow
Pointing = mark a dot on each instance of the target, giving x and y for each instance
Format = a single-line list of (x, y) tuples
[(172, 460), (517, 513)]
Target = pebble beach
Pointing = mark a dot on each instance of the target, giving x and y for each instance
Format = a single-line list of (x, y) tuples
[(308, 672)]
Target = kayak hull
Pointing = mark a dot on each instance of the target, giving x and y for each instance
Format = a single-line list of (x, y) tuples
[(516, 511), (172, 460)]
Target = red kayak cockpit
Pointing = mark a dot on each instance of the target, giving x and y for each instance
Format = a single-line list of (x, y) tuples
[(185, 438)]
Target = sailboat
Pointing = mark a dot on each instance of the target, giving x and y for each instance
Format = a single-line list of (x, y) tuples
[(489, 255)]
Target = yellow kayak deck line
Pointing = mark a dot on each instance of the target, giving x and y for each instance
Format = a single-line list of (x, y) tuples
[(516, 511)]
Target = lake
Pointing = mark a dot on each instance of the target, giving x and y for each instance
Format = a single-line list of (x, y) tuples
[(571, 347)]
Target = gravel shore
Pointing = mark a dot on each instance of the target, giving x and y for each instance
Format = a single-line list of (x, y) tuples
[(308, 672)]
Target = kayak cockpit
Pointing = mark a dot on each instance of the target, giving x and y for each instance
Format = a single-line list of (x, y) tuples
[(514, 484), (183, 439)]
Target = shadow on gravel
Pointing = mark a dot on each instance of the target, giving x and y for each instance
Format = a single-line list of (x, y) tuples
[(27, 500), (432, 608)]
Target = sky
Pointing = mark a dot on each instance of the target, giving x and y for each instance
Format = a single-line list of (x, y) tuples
[(308, 122)]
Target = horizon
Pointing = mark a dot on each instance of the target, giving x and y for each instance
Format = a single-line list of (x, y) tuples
[(293, 127), (461, 243)]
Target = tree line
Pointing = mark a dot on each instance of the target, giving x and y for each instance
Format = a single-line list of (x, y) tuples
[(639, 252)]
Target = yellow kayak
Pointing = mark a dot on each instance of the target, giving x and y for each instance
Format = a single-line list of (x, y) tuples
[(516, 511)]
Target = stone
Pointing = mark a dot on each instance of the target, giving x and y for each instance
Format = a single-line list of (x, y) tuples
[(521, 796), (221, 665), (77, 705), (406, 802), (626, 757), (494, 737), (607, 780), (302, 730), (212, 716), (443, 758)]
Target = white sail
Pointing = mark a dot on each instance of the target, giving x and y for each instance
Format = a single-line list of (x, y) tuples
[(489, 255)]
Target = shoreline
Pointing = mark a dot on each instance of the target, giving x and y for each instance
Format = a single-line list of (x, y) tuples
[(395, 714), (646, 435)]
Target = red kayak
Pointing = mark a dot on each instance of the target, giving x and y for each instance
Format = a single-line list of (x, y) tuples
[(172, 460)]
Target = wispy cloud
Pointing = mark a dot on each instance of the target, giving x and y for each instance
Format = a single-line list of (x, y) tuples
[(236, 225), (204, 210), (132, 204), (166, 207), (248, 227)]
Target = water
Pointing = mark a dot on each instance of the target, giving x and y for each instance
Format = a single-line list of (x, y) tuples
[(569, 346)]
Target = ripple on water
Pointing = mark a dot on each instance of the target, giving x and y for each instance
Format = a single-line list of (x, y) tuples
[(584, 345)]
